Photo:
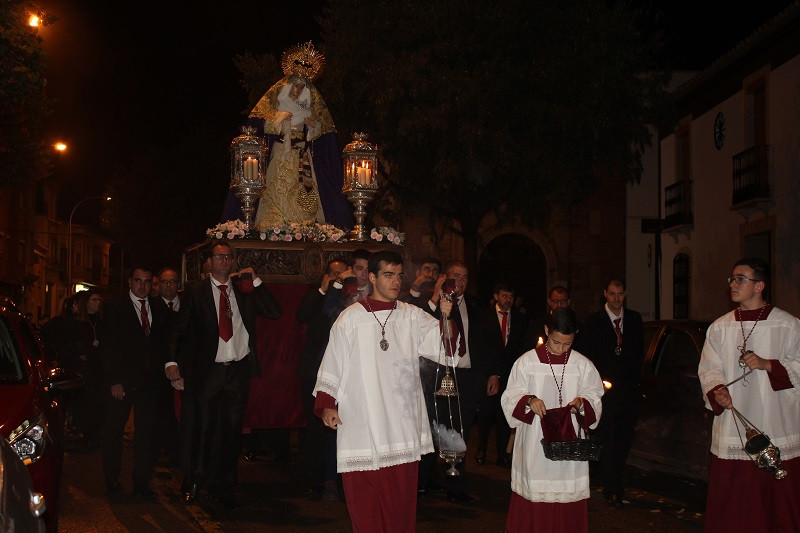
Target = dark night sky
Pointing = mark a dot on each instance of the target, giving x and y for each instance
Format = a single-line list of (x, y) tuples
[(125, 75)]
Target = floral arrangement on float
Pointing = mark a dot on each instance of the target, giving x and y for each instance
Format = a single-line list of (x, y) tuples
[(387, 233), (295, 231), (302, 232), (232, 229)]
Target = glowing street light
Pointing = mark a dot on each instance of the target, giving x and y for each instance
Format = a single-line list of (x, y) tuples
[(69, 244)]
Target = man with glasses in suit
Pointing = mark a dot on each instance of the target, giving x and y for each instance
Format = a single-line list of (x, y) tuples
[(213, 353)]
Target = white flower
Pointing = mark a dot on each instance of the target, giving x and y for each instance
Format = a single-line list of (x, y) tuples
[(218, 235), (298, 236), (379, 237), (390, 236), (263, 236), (230, 235), (273, 237), (287, 238)]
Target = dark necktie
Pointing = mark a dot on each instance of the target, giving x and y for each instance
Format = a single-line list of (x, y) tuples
[(456, 316), (225, 315), (618, 331), (171, 306), (145, 319), (504, 326)]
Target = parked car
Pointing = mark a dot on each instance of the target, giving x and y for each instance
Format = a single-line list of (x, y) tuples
[(674, 430), (21, 507), (31, 417)]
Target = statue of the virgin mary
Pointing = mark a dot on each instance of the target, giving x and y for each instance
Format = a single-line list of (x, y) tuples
[(304, 175)]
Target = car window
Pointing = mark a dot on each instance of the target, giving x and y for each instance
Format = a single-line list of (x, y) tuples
[(12, 371), (676, 354), (650, 331), (29, 338)]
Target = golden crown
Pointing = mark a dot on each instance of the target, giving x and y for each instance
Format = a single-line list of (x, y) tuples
[(303, 60)]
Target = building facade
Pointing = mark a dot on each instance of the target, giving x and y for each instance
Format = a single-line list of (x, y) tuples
[(730, 172), (34, 246)]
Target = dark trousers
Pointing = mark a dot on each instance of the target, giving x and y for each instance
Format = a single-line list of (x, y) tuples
[(615, 431), (144, 403), (427, 463), (491, 413), (221, 401), (319, 446), (187, 456), (168, 427)]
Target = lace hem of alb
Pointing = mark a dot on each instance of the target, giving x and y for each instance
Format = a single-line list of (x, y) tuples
[(734, 451), (327, 386), (549, 496), (383, 460), (794, 378)]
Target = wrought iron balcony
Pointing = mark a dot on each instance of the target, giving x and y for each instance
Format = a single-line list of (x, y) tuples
[(678, 204), (751, 175)]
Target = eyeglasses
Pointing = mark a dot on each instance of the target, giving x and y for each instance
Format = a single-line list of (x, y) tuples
[(222, 256), (740, 279), (559, 302), (169, 281)]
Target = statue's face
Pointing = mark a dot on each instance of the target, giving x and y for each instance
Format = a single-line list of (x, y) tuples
[(297, 88)]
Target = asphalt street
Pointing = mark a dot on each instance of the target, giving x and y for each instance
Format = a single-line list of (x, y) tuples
[(272, 498)]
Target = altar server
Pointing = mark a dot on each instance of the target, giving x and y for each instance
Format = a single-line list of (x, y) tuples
[(759, 337), (368, 389), (546, 388)]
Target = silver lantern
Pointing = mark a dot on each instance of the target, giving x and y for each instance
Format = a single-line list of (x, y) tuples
[(360, 180), (248, 170)]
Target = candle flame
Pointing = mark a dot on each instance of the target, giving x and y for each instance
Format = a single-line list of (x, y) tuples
[(60, 146), (34, 21), (541, 341), (607, 384)]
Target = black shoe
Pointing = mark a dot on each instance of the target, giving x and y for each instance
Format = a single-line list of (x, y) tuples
[(460, 498), (143, 492), (191, 493), (113, 488), (481, 458), (615, 501), (227, 501)]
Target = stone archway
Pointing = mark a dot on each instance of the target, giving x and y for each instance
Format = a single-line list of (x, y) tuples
[(517, 259)]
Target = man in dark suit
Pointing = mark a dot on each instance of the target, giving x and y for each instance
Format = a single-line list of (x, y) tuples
[(425, 279), (168, 425), (132, 344), (505, 331), (348, 287), (559, 297), (213, 354), (614, 341), (320, 442), (472, 363)]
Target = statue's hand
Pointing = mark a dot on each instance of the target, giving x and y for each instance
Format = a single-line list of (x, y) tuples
[(280, 116)]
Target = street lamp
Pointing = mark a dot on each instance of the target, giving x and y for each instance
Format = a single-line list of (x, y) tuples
[(69, 241)]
